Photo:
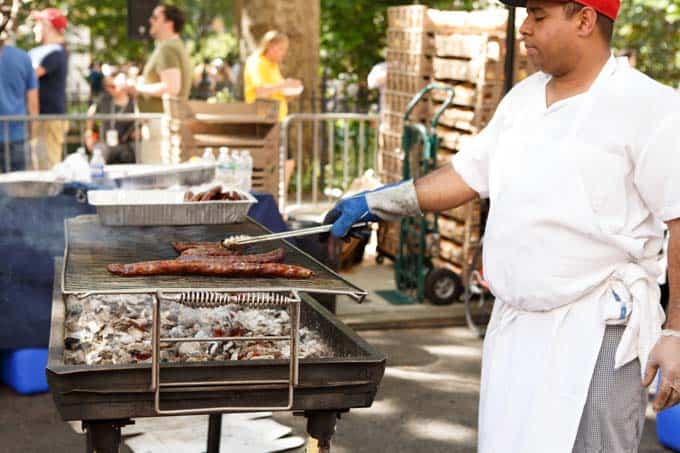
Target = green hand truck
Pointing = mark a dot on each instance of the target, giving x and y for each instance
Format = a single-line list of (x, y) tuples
[(415, 273)]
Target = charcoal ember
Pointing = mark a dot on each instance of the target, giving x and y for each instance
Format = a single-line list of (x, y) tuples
[(116, 329), (72, 343)]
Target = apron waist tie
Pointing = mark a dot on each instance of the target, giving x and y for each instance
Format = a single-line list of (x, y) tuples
[(646, 318)]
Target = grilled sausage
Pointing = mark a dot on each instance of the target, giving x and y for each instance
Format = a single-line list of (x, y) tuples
[(211, 194), (188, 196), (209, 267), (275, 256), (180, 246), (209, 251)]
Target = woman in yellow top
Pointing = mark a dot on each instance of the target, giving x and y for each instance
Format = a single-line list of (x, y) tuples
[(262, 77)]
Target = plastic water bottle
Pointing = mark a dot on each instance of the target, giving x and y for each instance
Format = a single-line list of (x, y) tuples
[(232, 168), (222, 173), (208, 156), (238, 169), (247, 161), (97, 163)]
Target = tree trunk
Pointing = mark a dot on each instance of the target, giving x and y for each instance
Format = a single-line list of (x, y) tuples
[(299, 20)]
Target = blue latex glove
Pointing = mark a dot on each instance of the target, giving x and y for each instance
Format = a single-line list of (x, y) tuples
[(347, 212), (351, 210)]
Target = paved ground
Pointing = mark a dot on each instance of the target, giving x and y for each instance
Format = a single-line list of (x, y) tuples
[(427, 403)]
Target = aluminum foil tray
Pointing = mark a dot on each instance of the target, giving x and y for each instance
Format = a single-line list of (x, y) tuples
[(164, 207), (139, 176), (29, 184)]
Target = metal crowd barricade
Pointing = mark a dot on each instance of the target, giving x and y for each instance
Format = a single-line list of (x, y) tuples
[(353, 153), (29, 143)]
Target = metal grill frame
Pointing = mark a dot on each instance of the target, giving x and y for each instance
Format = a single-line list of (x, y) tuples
[(290, 300), (155, 284)]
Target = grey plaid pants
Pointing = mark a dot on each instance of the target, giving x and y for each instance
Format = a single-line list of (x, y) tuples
[(614, 413)]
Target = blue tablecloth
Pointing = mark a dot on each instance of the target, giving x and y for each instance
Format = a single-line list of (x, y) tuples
[(31, 235)]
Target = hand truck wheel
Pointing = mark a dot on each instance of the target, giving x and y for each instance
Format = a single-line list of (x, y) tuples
[(442, 286)]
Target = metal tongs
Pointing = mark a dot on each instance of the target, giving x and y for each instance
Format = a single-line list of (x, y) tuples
[(241, 240)]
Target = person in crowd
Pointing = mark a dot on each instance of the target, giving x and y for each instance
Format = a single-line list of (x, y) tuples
[(223, 77), (262, 79), (96, 79), (377, 80), (581, 163), (631, 55), (50, 62), (262, 75), (235, 75), (168, 70), (116, 137), (18, 96), (203, 80)]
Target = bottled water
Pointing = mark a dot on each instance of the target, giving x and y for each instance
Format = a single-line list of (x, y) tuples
[(223, 172), (97, 164), (208, 156), (247, 161), (238, 169), (232, 166)]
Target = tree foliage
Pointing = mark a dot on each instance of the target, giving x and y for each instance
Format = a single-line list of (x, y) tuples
[(353, 34), (652, 29), (206, 30)]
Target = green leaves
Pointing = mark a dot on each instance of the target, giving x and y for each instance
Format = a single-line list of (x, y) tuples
[(353, 33), (652, 29)]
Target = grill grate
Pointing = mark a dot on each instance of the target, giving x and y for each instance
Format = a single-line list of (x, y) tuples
[(90, 247)]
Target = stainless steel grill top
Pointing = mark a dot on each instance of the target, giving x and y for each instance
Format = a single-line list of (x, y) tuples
[(90, 246)]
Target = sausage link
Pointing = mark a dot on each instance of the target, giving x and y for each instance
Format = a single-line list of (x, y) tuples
[(209, 267), (181, 246), (275, 256)]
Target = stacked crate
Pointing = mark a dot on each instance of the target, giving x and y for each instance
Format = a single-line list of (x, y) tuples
[(464, 50), (469, 54), (410, 47)]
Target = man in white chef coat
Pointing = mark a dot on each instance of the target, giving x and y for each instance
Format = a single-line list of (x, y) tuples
[(581, 162)]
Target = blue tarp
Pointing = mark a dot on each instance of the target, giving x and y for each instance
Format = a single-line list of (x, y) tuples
[(31, 235)]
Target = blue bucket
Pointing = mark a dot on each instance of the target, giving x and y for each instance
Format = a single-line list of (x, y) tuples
[(24, 370)]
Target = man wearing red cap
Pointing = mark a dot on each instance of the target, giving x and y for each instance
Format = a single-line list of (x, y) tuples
[(581, 163), (50, 61)]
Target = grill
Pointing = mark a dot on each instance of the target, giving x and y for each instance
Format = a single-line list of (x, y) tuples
[(90, 246), (106, 397)]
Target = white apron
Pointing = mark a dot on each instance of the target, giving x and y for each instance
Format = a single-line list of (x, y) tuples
[(540, 349)]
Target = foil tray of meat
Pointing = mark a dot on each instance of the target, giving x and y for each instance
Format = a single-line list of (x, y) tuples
[(166, 207)]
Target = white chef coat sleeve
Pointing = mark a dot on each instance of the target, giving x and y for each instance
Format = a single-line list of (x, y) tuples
[(472, 161), (657, 166)]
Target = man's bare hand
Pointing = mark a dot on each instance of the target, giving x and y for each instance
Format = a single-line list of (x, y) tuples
[(665, 356)]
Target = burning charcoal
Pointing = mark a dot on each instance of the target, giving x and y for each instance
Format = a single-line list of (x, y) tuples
[(117, 329), (177, 332), (74, 310), (72, 343), (172, 317), (189, 349), (202, 334), (214, 348)]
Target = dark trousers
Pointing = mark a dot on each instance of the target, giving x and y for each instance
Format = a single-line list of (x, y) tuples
[(17, 156)]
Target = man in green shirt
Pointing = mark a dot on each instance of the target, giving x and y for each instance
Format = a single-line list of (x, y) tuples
[(168, 70)]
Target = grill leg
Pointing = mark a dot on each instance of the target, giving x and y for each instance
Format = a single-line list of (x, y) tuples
[(103, 436), (321, 426), (214, 433)]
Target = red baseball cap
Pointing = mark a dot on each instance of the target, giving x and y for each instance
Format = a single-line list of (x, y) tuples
[(609, 8), (53, 16)]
